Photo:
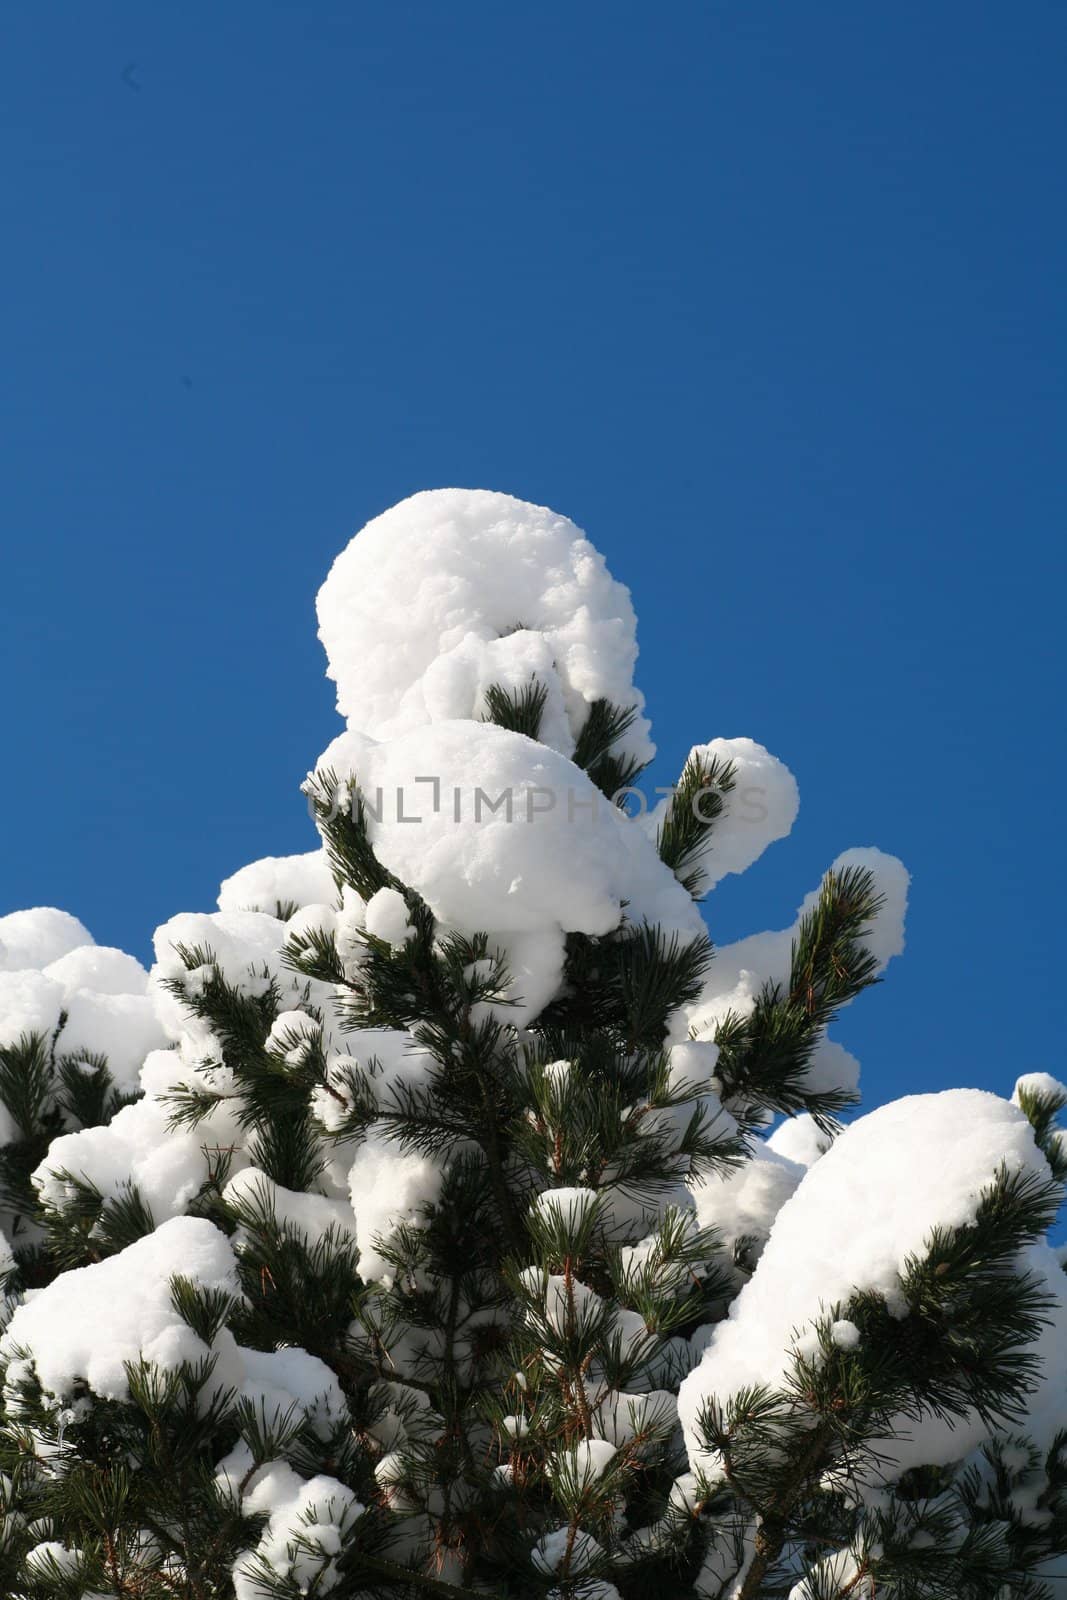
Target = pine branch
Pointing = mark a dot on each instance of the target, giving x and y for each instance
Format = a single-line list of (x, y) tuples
[(519, 710), (764, 1057), (688, 829), (603, 728)]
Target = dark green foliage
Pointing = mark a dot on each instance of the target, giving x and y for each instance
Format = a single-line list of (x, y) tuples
[(764, 1057), (90, 1227), (341, 815), (519, 710), (603, 728), (687, 831), (46, 1092), (312, 1290), (625, 985)]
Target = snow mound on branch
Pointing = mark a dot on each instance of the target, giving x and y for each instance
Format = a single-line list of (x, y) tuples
[(82, 1000), (49, 1557), (885, 936), (122, 1027), (304, 1214), (831, 1067), (387, 917), (760, 808), (553, 853), (98, 995), (167, 1164), (303, 880), (454, 590), (1041, 1084), (800, 1139), (850, 1226), (309, 1521), (100, 968), (29, 1003), (38, 936), (90, 1321), (244, 948), (241, 944), (535, 965), (390, 1061), (390, 1188), (589, 1459), (743, 1203)]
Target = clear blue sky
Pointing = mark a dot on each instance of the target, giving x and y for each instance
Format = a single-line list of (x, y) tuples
[(769, 298)]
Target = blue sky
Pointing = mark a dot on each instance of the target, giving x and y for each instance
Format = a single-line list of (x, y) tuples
[(768, 298)]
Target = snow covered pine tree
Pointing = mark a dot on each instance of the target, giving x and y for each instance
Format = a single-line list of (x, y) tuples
[(415, 1227)]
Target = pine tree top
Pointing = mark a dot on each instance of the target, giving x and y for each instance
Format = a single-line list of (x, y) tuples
[(446, 1214)]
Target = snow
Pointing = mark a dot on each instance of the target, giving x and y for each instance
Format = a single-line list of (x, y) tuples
[(310, 1215), (589, 1459), (727, 1563), (38, 936), (91, 1321), (29, 1003), (885, 936), (837, 1574), (138, 1146), (290, 1033), (168, 1165), (101, 994), (1040, 1085), (275, 1381), (302, 880), (831, 1067), (691, 1073), (553, 854), (534, 962), (550, 1552), (453, 590), (387, 917), (566, 1207), (389, 1187), (620, 1417), (50, 1557), (391, 1058), (743, 1203), (241, 943), (385, 1061), (852, 1223), (309, 1521), (799, 1139), (760, 808), (100, 968), (443, 596), (440, 598), (246, 950), (122, 1027)]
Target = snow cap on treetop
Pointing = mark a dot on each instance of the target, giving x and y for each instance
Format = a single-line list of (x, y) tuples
[(36, 937), (454, 590)]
